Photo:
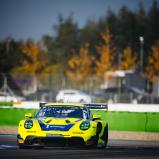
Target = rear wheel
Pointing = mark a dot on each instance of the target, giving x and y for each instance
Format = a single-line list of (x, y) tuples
[(99, 128), (105, 137)]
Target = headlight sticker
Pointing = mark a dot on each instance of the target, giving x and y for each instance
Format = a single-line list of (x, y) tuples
[(85, 125), (28, 124)]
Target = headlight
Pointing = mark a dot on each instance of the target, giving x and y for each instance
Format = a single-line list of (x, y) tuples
[(85, 125), (28, 124)]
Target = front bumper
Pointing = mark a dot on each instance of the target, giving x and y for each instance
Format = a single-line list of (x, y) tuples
[(55, 141)]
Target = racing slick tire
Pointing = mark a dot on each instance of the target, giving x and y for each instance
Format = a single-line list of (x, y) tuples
[(105, 137), (99, 128)]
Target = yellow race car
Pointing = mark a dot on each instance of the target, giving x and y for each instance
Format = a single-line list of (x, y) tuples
[(62, 124)]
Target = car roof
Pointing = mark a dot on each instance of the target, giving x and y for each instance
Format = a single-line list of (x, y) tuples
[(65, 104)]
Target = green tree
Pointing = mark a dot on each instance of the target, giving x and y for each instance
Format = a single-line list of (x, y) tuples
[(90, 33), (66, 39), (153, 24), (10, 55), (126, 28)]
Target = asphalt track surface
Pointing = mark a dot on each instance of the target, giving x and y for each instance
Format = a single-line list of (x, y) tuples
[(116, 149)]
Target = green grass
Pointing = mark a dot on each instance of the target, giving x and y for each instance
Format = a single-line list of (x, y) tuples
[(122, 121), (12, 116), (6, 103), (131, 121)]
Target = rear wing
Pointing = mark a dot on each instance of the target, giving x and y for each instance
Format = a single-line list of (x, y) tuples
[(102, 106), (42, 104)]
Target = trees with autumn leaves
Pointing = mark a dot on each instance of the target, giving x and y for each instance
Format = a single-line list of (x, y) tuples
[(115, 48), (151, 72), (84, 66), (81, 66), (33, 64), (104, 63), (129, 60)]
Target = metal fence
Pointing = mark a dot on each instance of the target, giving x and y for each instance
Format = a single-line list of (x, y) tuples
[(46, 86)]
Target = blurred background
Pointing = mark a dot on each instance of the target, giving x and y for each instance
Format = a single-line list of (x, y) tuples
[(107, 50)]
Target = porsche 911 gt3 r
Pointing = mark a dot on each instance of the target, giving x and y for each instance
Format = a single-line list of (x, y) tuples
[(63, 124)]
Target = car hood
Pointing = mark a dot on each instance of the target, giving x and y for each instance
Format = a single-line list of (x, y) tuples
[(57, 124), (59, 121)]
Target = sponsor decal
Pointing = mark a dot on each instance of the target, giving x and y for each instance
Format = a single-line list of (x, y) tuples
[(48, 127), (54, 135)]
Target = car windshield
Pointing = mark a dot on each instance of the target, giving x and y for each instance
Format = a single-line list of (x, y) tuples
[(60, 112)]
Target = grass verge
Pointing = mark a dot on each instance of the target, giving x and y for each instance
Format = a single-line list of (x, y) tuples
[(12, 116)]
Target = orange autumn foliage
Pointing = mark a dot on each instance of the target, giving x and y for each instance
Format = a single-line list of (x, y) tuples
[(35, 61), (129, 60), (105, 61), (80, 65), (152, 68)]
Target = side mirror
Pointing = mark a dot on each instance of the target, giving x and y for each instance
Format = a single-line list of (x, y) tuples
[(96, 117), (28, 115)]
